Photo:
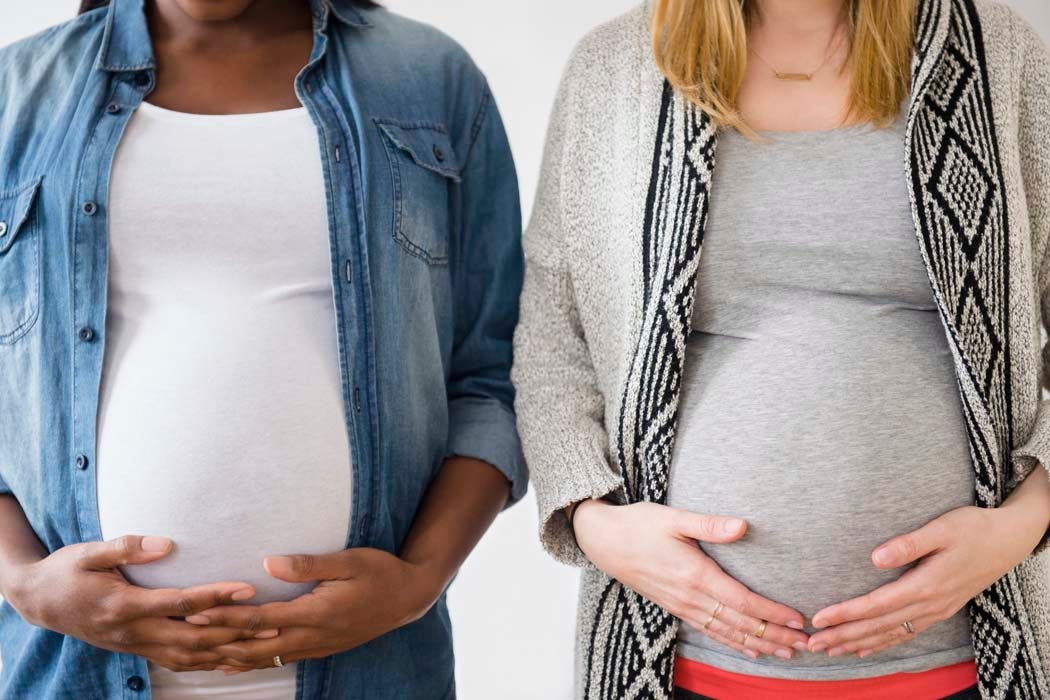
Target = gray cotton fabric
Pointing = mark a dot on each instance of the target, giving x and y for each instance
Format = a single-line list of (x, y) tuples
[(819, 399)]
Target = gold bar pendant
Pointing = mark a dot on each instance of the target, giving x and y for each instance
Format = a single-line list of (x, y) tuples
[(800, 77)]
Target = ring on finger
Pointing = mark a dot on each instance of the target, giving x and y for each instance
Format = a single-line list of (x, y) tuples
[(718, 608), (908, 627), (743, 642), (761, 630), (709, 621)]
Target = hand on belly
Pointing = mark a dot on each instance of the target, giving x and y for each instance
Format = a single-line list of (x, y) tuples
[(959, 555), (360, 594), (652, 549), (78, 591)]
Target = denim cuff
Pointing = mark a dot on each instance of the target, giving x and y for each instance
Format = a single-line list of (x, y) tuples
[(487, 430)]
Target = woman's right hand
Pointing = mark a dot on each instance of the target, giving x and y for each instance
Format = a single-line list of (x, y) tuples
[(79, 591), (652, 549)]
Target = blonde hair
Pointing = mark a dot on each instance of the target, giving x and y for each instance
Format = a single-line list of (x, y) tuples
[(701, 47)]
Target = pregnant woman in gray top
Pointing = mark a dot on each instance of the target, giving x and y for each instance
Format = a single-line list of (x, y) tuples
[(814, 315), (779, 363)]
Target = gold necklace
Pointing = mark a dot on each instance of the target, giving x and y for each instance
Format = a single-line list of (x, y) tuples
[(801, 77)]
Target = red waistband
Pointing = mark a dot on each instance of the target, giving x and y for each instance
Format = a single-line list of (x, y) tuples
[(715, 683)]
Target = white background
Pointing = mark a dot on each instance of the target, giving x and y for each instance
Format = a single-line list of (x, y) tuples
[(513, 608)]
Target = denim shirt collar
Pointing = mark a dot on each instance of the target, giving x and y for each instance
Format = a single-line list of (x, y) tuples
[(126, 44)]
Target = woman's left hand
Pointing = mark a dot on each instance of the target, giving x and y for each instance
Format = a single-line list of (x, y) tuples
[(362, 594), (962, 553)]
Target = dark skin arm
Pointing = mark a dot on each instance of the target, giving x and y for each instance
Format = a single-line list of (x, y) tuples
[(79, 591), (365, 593)]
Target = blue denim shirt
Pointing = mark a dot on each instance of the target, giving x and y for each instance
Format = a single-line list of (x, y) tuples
[(424, 228)]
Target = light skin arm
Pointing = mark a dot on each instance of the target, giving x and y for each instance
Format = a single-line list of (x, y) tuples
[(79, 591), (959, 555), (364, 593)]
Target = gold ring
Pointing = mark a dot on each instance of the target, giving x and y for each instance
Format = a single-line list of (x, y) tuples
[(909, 627), (709, 621), (761, 630), (277, 661), (718, 609), (744, 642)]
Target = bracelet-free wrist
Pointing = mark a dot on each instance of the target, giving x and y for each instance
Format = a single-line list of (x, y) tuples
[(571, 515)]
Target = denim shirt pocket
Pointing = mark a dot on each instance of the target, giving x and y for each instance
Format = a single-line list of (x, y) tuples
[(423, 168), (19, 261)]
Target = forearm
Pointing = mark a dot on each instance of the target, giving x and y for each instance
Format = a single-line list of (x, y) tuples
[(19, 545), (462, 501), (1029, 507)]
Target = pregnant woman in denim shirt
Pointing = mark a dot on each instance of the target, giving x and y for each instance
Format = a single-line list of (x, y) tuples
[(259, 270)]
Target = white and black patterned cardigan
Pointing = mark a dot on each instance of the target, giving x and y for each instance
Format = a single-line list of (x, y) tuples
[(613, 250)]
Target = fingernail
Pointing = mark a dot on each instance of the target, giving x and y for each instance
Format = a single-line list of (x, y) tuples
[(243, 594), (783, 653), (837, 651), (267, 634), (198, 620), (881, 556), (801, 646), (862, 654), (155, 544), (752, 653), (819, 648), (795, 624), (287, 562), (731, 526)]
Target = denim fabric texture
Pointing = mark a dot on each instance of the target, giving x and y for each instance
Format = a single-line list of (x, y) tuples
[(424, 230)]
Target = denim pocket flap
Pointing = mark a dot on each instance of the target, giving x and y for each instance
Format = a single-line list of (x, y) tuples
[(428, 145), (15, 206)]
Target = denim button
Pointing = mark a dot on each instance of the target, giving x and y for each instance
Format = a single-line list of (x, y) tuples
[(3, 229), (142, 79), (87, 334), (136, 683), (82, 462), (439, 154), (89, 208), (112, 108)]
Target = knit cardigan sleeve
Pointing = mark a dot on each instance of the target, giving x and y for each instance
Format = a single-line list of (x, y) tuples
[(559, 403), (1033, 63)]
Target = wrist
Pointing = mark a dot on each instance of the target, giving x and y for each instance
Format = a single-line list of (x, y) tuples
[(1025, 515), (427, 581), (1020, 524), (585, 514), (16, 584)]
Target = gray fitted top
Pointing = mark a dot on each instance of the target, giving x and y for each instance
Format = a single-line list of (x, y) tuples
[(819, 398)]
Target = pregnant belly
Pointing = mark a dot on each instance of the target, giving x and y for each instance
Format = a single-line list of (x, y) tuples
[(235, 456), (823, 463)]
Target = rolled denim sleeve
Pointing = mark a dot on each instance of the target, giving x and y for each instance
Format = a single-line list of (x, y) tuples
[(487, 273)]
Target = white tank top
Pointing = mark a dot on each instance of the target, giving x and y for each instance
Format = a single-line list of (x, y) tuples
[(221, 422)]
